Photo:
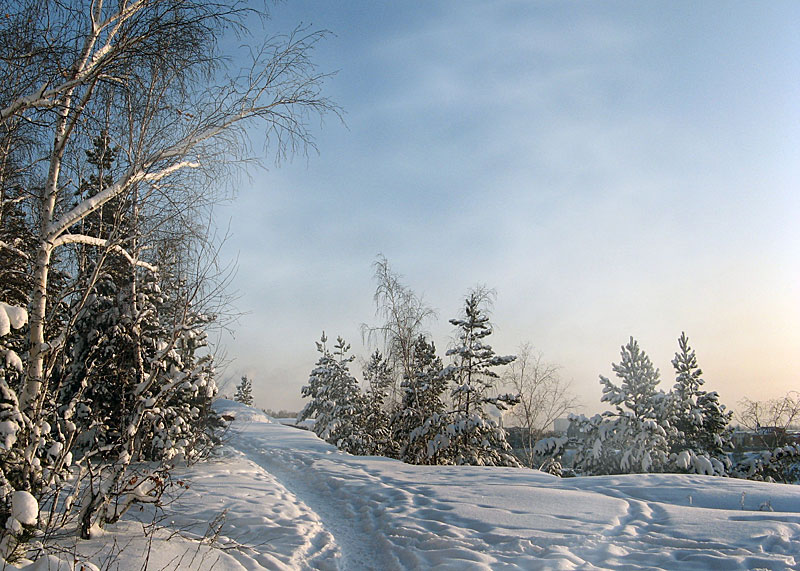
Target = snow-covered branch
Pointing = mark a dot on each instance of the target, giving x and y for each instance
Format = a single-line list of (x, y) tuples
[(102, 243)]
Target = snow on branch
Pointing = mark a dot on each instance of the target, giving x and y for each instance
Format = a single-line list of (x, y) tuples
[(102, 243), (133, 176)]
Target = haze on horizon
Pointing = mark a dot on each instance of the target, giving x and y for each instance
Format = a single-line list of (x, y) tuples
[(611, 169)]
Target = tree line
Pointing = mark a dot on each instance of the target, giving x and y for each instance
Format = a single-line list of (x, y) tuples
[(417, 409), (685, 430)]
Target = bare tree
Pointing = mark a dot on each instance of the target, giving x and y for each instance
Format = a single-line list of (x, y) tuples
[(404, 315), (772, 419), (544, 397)]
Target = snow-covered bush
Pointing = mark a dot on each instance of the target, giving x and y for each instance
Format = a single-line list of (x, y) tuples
[(779, 465), (16, 512)]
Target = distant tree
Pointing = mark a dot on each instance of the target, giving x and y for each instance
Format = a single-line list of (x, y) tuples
[(244, 391), (544, 397), (467, 435), (770, 420)]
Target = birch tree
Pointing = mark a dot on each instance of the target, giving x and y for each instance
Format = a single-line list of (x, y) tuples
[(544, 397), (404, 315), (150, 76), (150, 56)]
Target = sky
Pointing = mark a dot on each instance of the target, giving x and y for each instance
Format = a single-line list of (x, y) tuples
[(610, 169)]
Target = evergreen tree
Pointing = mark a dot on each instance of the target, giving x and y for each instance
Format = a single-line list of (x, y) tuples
[(244, 392), (466, 435), (378, 376), (701, 436), (632, 438), (336, 401), (422, 398)]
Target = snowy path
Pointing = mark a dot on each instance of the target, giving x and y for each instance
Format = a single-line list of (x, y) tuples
[(294, 502)]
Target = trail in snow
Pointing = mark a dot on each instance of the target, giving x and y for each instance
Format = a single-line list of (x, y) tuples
[(376, 513), (292, 502)]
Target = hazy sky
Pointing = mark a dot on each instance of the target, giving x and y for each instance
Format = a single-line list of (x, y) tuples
[(609, 168)]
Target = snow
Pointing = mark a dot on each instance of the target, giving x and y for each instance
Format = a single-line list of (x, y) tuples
[(278, 497), (24, 508), (11, 317)]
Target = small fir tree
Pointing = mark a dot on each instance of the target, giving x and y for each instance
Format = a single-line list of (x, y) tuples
[(702, 435), (336, 401), (244, 392), (422, 399), (378, 377)]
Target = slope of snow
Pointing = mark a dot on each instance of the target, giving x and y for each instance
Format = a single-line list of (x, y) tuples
[(291, 501)]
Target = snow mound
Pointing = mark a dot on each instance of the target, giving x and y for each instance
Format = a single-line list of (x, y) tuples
[(241, 412), (11, 317)]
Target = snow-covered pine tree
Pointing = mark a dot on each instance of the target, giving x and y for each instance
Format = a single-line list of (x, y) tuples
[(336, 401), (467, 435), (702, 434), (378, 376), (244, 391), (422, 399), (180, 424), (633, 437)]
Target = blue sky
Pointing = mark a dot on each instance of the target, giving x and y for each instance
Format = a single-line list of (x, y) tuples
[(609, 168)]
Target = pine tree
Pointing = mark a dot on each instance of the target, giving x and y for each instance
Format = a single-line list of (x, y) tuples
[(422, 398), (702, 436), (466, 435), (633, 437), (336, 401), (379, 378), (244, 392)]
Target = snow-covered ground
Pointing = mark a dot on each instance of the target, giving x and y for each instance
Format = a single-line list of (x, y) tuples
[(277, 497)]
